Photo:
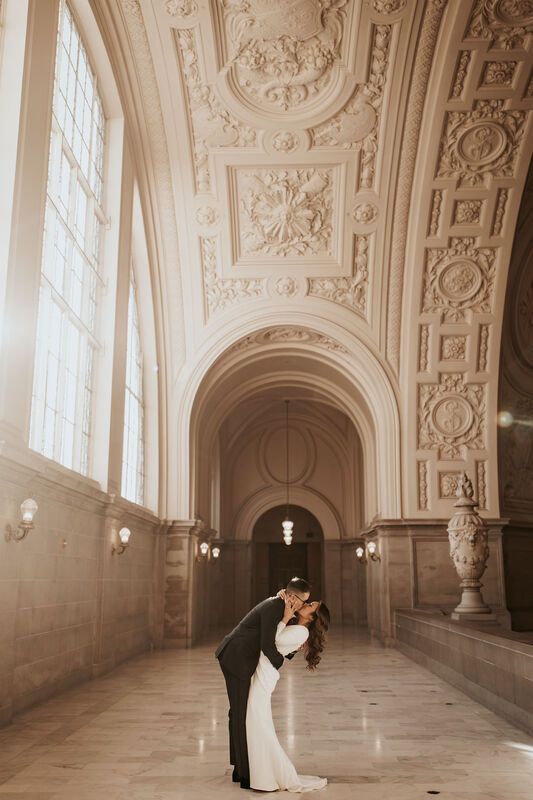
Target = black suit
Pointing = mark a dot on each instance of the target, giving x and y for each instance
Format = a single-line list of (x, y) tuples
[(238, 654)]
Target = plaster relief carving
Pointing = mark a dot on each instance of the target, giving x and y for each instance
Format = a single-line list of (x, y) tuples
[(483, 348), (506, 23), (435, 213), (207, 216), (222, 292), (365, 213), (448, 484), (422, 485), (286, 287), (467, 212), (451, 416), (212, 125), (453, 348), (389, 6), (460, 75), (459, 279), (480, 143), (290, 334), (349, 292), (356, 127), (285, 212), (181, 8), (423, 349), (499, 213), (282, 51), (285, 142), (481, 474), (498, 73)]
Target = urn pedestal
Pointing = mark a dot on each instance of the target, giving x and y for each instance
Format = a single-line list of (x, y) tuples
[(469, 550)]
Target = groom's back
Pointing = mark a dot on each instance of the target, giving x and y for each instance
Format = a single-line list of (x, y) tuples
[(239, 651)]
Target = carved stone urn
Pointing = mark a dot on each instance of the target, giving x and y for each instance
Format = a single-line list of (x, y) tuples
[(469, 550)]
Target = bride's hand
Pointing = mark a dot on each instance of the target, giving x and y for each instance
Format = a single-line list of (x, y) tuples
[(289, 608)]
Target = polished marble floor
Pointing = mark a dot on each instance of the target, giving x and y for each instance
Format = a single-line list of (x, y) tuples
[(378, 726)]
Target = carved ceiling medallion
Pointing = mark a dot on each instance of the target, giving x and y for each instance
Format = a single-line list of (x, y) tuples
[(451, 416), (459, 279), (282, 51), (285, 212), (481, 143), (507, 22)]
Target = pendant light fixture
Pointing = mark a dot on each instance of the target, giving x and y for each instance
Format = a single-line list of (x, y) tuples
[(287, 524)]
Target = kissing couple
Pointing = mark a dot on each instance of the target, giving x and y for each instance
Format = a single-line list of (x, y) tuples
[(250, 658)]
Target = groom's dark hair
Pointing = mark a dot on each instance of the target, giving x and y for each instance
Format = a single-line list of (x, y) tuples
[(298, 585)]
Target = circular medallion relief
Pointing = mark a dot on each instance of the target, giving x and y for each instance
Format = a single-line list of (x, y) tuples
[(452, 415), (514, 12), (460, 280), (481, 143)]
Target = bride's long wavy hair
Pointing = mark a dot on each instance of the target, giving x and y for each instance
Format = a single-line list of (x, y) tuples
[(318, 630)]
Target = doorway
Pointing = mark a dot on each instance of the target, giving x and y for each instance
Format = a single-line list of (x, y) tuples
[(275, 563)]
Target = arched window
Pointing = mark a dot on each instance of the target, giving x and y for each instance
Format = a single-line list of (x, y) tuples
[(133, 443), (70, 268)]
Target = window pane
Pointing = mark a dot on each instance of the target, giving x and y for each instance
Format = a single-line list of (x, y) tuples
[(133, 445), (70, 280)]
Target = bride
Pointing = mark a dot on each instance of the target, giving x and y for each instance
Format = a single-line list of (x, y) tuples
[(270, 767)]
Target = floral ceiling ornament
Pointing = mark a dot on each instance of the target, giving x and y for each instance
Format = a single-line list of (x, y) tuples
[(283, 50), (349, 292), (389, 6), (451, 416), (507, 23), (365, 213), (285, 141), (286, 212), (181, 8), (222, 292), (212, 125), (459, 279), (286, 287), (206, 215), (355, 127), (480, 144)]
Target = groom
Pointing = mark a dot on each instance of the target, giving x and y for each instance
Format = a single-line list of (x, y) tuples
[(238, 654)]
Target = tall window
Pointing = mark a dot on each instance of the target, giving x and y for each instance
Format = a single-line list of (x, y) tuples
[(70, 277), (133, 447)]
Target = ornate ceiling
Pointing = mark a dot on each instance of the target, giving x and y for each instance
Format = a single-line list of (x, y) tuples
[(356, 163)]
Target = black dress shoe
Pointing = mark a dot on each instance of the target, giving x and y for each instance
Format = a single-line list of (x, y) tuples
[(245, 784), (235, 777)]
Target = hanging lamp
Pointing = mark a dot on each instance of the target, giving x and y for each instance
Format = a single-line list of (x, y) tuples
[(287, 523)]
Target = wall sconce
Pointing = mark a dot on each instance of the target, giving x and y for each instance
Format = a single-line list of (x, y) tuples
[(215, 552), (28, 509), (124, 536), (204, 551), (360, 553), (372, 550)]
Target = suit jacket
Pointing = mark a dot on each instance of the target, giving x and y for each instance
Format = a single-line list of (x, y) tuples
[(239, 651)]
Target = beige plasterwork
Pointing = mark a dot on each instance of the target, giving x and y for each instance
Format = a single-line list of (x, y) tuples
[(361, 164), (472, 162)]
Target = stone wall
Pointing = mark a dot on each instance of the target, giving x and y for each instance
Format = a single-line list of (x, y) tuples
[(491, 665), (69, 608)]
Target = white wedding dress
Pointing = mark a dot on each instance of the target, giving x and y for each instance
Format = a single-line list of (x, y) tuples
[(270, 767)]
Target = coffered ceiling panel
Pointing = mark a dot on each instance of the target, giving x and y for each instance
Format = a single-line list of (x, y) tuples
[(284, 111)]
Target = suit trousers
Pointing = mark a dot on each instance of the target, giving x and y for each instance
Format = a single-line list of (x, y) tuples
[(238, 690)]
